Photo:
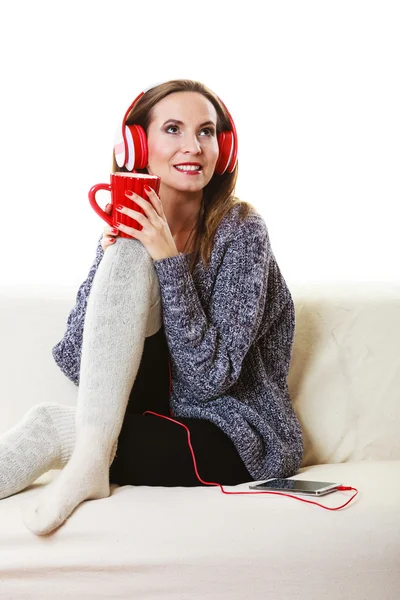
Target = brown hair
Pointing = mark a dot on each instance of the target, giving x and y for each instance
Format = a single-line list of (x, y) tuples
[(218, 194)]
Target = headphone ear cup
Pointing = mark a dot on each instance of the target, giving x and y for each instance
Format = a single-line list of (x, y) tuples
[(233, 161), (137, 153), (227, 153), (119, 147)]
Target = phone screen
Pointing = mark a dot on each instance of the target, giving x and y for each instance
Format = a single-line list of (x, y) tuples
[(295, 485)]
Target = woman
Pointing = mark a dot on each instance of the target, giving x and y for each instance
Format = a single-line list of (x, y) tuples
[(199, 286)]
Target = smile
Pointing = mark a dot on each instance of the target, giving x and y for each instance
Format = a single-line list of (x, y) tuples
[(190, 170)]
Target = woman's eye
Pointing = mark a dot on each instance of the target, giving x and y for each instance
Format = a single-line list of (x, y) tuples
[(211, 131)]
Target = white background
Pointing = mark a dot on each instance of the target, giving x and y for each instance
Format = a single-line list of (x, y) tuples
[(313, 87)]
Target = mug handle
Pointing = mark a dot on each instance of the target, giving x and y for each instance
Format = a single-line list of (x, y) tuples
[(93, 202)]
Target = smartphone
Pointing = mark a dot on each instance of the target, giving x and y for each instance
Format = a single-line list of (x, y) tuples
[(297, 486)]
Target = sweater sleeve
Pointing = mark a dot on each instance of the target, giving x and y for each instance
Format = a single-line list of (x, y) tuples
[(67, 353), (208, 348)]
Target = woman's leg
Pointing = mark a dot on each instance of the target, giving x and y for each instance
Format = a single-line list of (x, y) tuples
[(42, 440), (45, 437), (123, 290), (155, 451)]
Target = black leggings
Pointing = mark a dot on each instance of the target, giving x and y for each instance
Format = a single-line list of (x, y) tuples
[(155, 451)]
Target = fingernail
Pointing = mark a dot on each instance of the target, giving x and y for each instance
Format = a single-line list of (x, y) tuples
[(112, 240), (114, 230)]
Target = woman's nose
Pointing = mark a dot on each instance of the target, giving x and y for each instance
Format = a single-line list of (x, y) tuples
[(191, 143)]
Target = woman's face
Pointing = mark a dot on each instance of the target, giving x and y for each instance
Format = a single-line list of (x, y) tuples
[(193, 140)]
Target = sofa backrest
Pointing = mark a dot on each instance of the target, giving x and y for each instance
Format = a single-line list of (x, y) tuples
[(344, 378)]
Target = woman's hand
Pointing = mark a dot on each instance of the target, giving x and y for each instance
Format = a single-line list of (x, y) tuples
[(110, 233), (155, 235)]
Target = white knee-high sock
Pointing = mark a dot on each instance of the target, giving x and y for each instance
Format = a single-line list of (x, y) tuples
[(42, 440), (117, 320)]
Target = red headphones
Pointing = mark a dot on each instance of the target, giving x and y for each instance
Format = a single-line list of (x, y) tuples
[(130, 147)]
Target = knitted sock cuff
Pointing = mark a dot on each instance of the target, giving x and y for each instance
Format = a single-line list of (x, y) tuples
[(63, 419)]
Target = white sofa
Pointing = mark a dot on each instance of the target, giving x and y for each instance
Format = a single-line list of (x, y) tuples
[(176, 543)]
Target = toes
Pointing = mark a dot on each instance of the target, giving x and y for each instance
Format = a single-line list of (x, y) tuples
[(39, 520)]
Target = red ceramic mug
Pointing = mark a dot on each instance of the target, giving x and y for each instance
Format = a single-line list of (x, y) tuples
[(121, 183)]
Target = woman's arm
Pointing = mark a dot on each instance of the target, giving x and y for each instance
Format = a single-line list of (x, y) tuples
[(67, 353), (208, 348)]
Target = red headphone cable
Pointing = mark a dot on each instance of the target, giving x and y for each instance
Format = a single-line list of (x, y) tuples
[(341, 487)]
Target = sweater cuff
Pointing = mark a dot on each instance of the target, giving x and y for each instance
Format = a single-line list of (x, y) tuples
[(171, 269)]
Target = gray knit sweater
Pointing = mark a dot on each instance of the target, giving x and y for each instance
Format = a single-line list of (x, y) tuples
[(230, 331)]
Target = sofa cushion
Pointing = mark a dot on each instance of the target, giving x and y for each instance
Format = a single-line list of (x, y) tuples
[(154, 542)]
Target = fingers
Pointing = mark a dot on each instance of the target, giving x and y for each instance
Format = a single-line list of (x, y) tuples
[(107, 241), (108, 229), (109, 233)]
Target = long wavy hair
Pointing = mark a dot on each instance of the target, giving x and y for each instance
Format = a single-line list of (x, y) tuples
[(218, 195)]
